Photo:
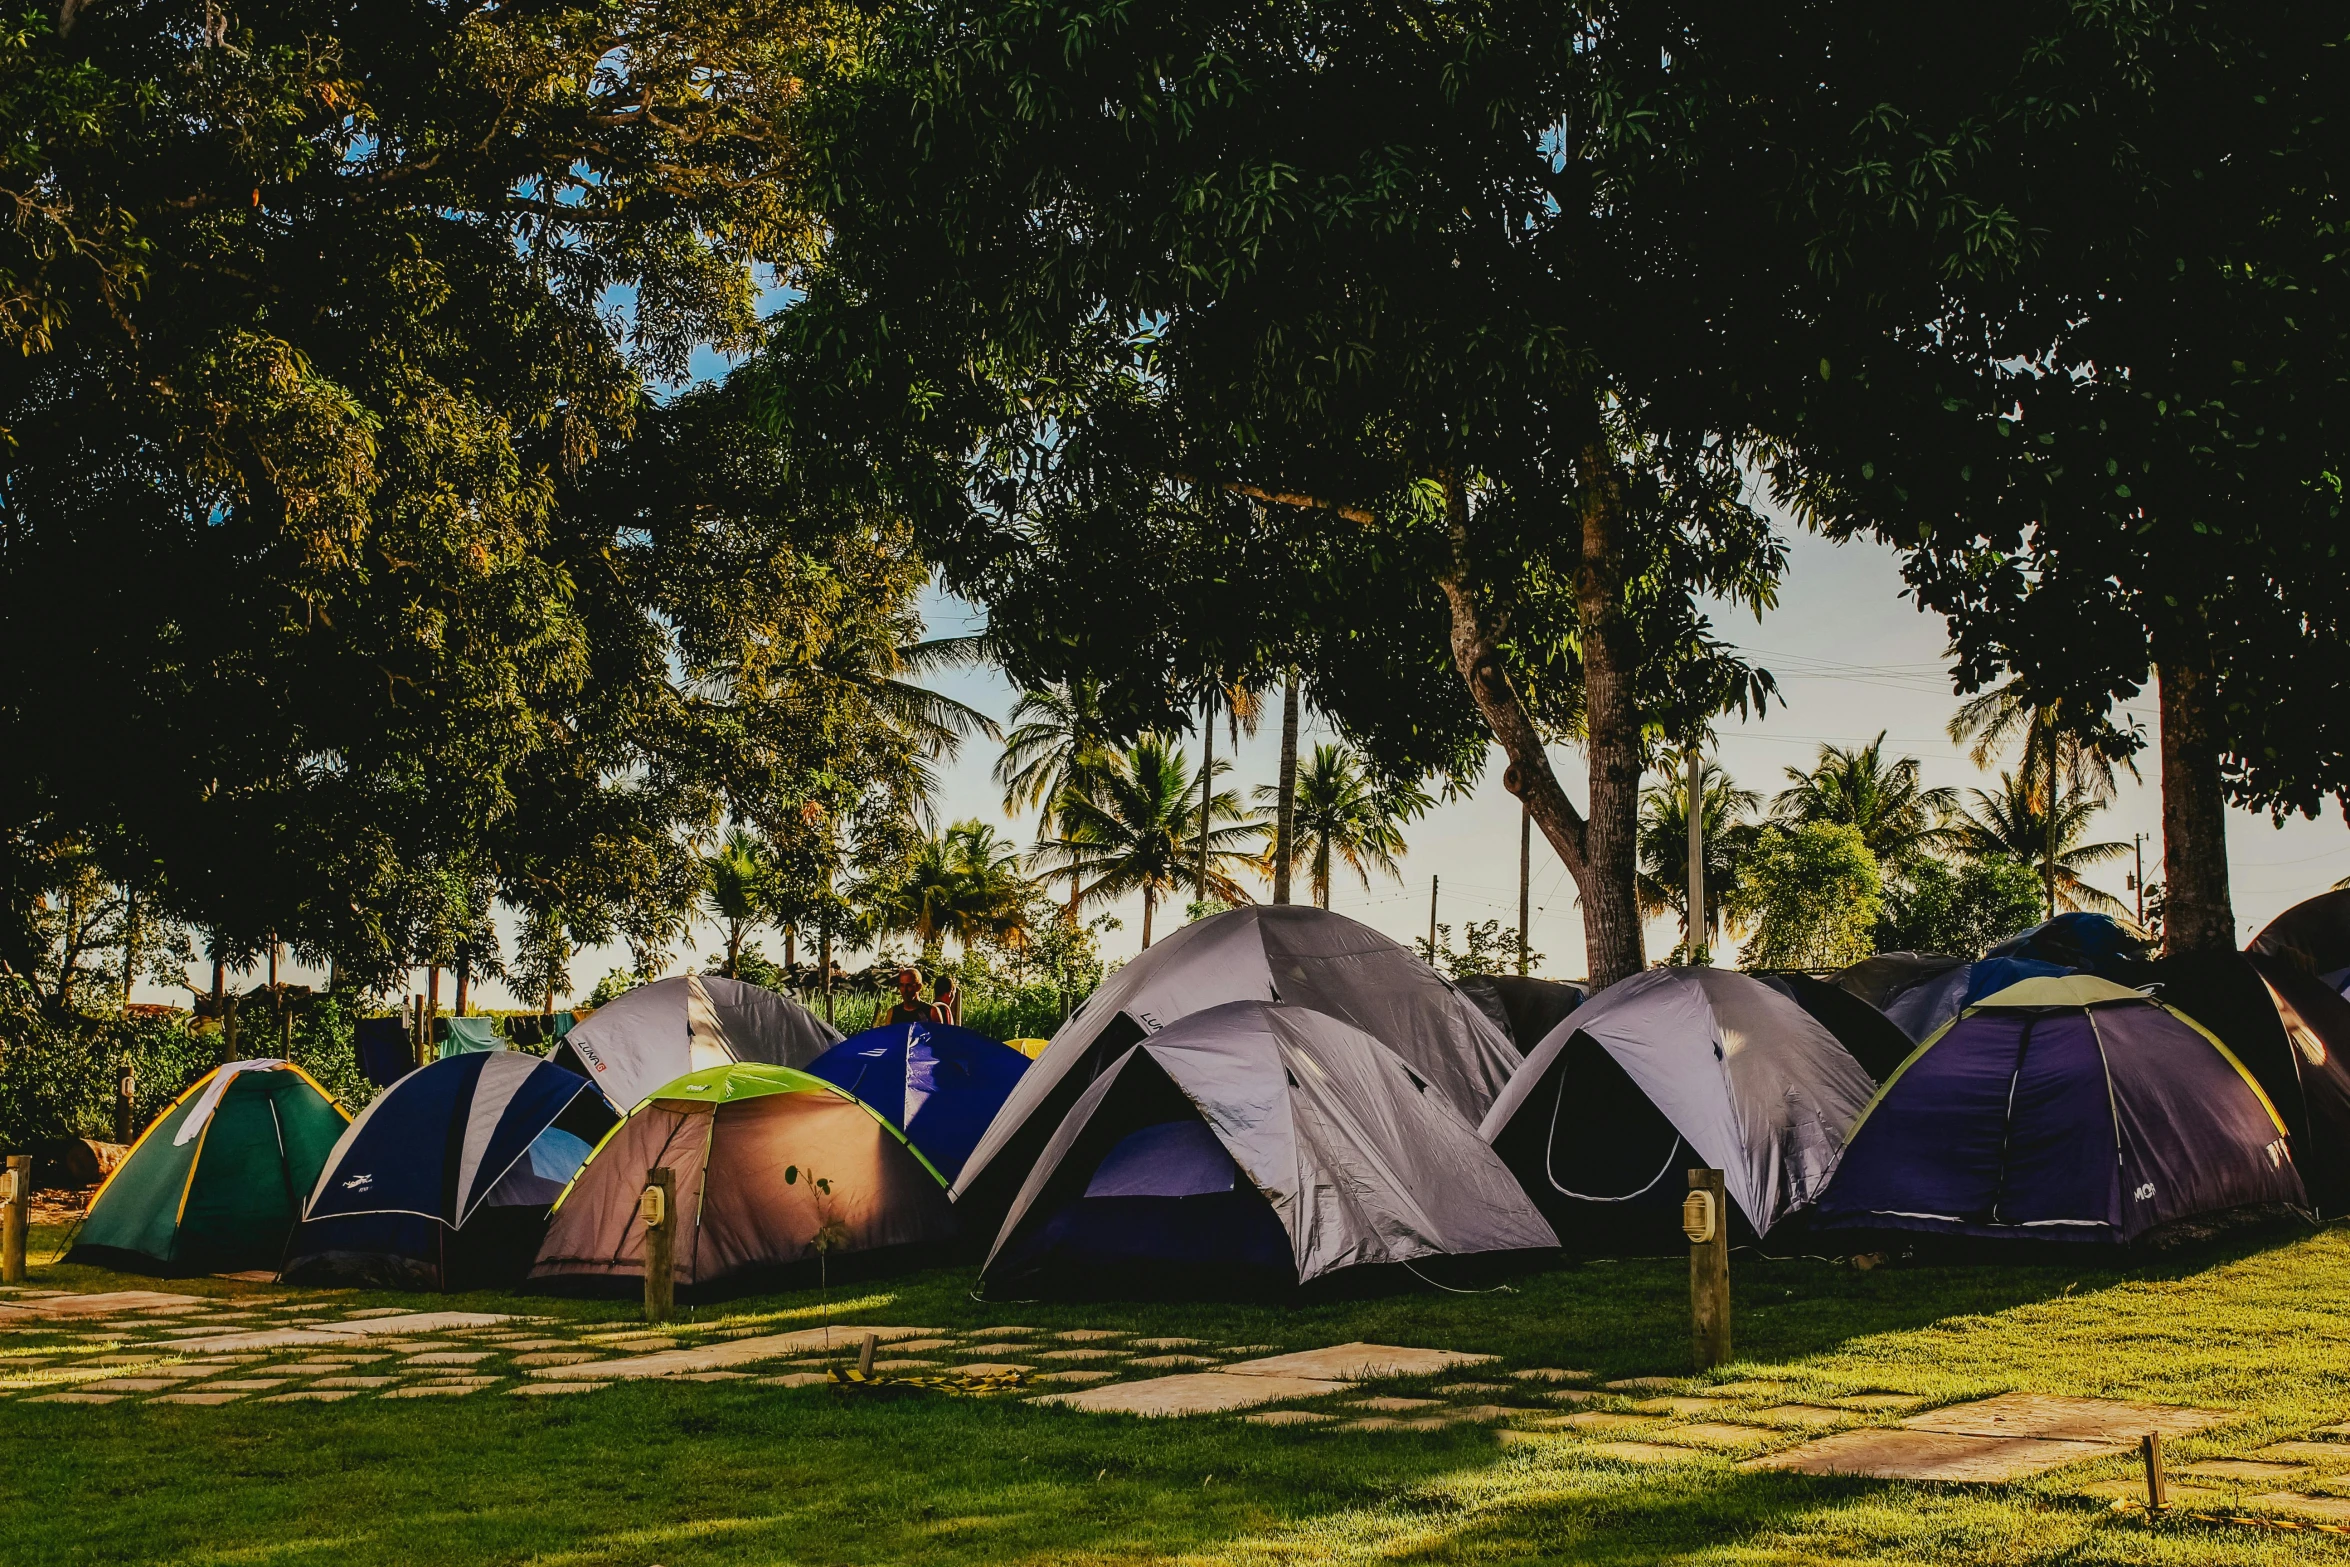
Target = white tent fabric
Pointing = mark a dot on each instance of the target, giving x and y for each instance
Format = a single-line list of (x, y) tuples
[(1288, 953), (1361, 1160), (1749, 1079), (209, 1100), (657, 1033)]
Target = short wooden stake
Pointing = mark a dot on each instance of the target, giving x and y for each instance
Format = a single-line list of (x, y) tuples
[(658, 1208), (1705, 1219), (865, 1354), (2157, 1483), (16, 1186)]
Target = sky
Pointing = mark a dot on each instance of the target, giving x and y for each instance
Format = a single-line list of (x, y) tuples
[(1853, 658)]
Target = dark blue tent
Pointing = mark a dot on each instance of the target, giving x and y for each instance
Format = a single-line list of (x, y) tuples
[(2062, 1109), (938, 1084), (444, 1181), (1923, 1008), (2088, 943)]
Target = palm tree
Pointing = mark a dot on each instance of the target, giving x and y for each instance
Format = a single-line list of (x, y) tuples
[(1136, 828), (2062, 743), (1898, 817), (1663, 845), (884, 658), (738, 889), (1058, 743), (964, 882), (1342, 815), (2012, 822)]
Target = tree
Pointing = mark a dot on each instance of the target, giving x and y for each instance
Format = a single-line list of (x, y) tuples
[(1489, 947), (964, 882), (1898, 817), (1961, 908), (1342, 815), (313, 412), (2014, 821), (1059, 741), (1664, 848), (738, 890), (1315, 337), (1811, 893), (1137, 830)]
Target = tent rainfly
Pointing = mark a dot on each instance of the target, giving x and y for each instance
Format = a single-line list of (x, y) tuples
[(444, 1180), (1251, 1148), (1522, 1007), (657, 1032), (1667, 1070), (215, 1184), (772, 1166), (1288, 953), (1877, 980), (1923, 1010), (2292, 1032), (1867, 1035), (938, 1084), (2318, 929), (2097, 944), (2067, 1108)]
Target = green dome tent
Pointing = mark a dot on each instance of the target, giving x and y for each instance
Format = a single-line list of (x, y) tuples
[(216, 1184)]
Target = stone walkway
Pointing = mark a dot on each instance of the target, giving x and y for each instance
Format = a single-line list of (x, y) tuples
[(134, 1347)]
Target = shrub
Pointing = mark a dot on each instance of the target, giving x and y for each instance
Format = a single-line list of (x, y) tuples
[(1811, 893)]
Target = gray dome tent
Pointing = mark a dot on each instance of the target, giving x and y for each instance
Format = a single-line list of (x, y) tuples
[(1669, 1070), (1295, 955), (1252, 1147), (661, 1031)]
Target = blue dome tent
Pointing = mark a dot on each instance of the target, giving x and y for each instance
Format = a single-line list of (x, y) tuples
[(938, 1084), (444, 1181)]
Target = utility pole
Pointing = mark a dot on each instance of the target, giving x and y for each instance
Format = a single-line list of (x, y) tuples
[(1525, 874), (2138, 880), (1432, 921), (1207, 787), (1696, 889)]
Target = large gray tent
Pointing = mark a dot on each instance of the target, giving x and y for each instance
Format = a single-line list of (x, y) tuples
[(1249, 1146), (661, 1031), (1670, 1070), (1295, 955)]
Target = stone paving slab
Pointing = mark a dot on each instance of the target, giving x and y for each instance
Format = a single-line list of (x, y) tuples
[(2246, 1469), (196, 1398), (1389, 1406), (1080, 1354), (246, 1385), (1355, 1362), (557, 1387), (1195, 1393), (1746, 1389), (718, 1357), (1575, 1395), (430, 1390), (1168, 1343), (1683, 1406), (1594, 1420), (795, 1379), (1642, 1384), (77, 1398), (467, 1357), (1899, 1454), (2087, 1419), (1714, 1433), (311, 1396), (133, 1385), (368, 1325), (1000, 1332), (1089, 1335), (2134, 1490), (1875, 1402), (1077, 1378), (355, 1382), (979, 1368), (1463, 1389), (917, 1344), (722, 1376), (914, 1364), (1807, 1416), (1645, 1452), (2332, 1509), (557, 1358), (531, 1343), (1288, 1417), (999, 1349), (25, 1307), (1171, 1362), (2305, 1452), (1551, 1374), (2342, 1431)]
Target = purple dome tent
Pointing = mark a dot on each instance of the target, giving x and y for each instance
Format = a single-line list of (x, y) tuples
[(2062, 1109)]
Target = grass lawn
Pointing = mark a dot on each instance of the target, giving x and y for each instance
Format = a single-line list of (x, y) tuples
[(684, 1473)]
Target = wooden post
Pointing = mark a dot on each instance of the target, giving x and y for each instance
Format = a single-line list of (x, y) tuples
[(228, 1028), (865, 1354), (126, 1097), (2157, 1483), (18, 1184), (658, 1208), (1705, 1219)]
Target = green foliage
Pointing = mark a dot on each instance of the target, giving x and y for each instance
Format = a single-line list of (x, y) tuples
[(615, 984), (1898, 817), (1960, 908), (1345, 815), (963, 883), (1489, 947), (1137, 828), (2013, 822), (1664, 847), (1811, 894)]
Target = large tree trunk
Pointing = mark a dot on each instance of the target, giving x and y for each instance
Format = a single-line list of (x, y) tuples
[(1207, 787), (464, 984), (1285, 817), (1598, 853), (1149, 903), (2197, 913)]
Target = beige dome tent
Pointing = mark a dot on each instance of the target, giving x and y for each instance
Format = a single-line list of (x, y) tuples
[(657, 1032)]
